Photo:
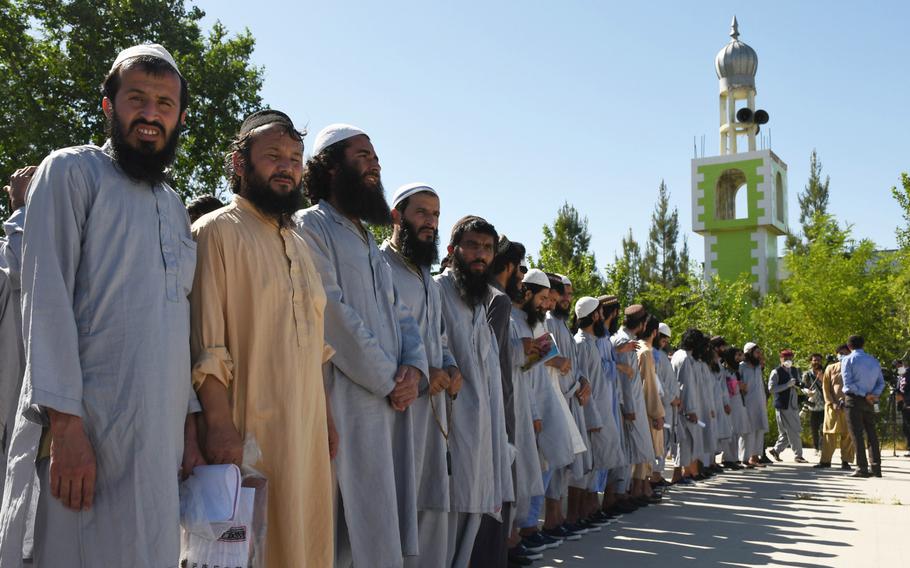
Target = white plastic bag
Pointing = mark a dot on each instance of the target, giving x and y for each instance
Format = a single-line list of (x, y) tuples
[(239, 542)]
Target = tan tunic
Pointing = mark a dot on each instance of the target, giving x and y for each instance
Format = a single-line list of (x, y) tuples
[(257, 326), (653, 403), (833, 387)]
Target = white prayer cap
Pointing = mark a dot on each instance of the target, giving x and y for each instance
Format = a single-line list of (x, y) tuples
[(410, 189), (537, 276), (565, 280), (748, 347), (585, 306), (334, 133), (150, 49), (663, 329)]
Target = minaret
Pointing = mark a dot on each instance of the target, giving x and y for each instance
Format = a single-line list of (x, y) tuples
[(740, 240)]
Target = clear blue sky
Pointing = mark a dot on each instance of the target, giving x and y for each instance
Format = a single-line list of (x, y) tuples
[(510, 108)]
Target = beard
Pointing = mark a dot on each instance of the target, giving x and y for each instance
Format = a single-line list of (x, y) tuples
[(534, 315), (472, 287), (614, 326), (600, 329), (270, 202), (513, 287), (559, 312), (355, 198), (413, 248), (143, 163)]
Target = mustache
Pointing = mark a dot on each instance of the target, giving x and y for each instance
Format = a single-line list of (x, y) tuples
[(282, 177), (141, 121)]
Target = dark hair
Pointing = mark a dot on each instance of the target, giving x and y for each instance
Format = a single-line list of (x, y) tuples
[(199, 206), (856, 342), (154, 66), (243, 143), (472, 224), (317, 176), (651, 325), (717, 341), (511, 254), (728, 356), (609, 311), (586, 321), (819, 355), (556, 283), (635, 320), (842, 347), (691, 340)]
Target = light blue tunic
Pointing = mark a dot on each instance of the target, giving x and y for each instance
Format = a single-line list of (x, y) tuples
[(107, 264)]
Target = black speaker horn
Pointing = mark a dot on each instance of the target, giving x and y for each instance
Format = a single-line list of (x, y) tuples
[(744, 115), (760, 117)]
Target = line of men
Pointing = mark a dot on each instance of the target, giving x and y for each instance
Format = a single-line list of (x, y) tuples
[(402, 419)]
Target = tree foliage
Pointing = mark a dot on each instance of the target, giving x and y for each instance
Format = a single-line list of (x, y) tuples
[(625, 277), (813, 208), (565, 250), (663, 265), (54, 55)]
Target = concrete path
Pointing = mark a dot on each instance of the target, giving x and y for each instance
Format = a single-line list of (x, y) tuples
[(787, 515)]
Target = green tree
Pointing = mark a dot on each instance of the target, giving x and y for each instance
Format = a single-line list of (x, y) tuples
[(565, 250), (813, 207), (625, 278), (902, 196), (54, 55), (663, 264)]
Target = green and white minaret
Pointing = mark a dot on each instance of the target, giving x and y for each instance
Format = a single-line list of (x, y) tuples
[(740, 231)]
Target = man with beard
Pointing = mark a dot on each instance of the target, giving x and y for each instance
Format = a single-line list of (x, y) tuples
[(753, 388), (836, 430), (107, 265), (380, 360), (481, 473), (577, 390), (784, 383), (493, 537), (256, 286), (603, 428), (670, 399), (689, 428), (409, 254)]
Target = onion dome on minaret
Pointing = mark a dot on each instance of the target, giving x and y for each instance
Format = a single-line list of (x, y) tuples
[(736, 63)]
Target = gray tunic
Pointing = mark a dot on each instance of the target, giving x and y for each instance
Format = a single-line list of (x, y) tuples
[(669, 392), (724, 428), (600, 412), (569, 384), (107, 264), (689, 434), (481, 455), (755, 401), (373, 334), (638, 431), (12, 352), (528, 479), (707, 393), (420, 293), (739, 419)]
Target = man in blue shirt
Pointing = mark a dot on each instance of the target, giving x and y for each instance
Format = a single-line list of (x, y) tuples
[(863, 384)]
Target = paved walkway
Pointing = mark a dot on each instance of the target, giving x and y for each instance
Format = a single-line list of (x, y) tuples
[(787, 514)]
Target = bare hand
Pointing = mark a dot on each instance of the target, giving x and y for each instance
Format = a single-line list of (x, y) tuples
[(630, 417), (712, 414), (18, 186), (657, 423), (744, 387), (594, 429), (223, 444), (584, 393), (72, 467), (192, 454), (439, 380), (727, 409), (407, 380), (561, 364), (456, 380), (627, 347), (871, 398), (692, 417), (530, 346), (624, 369), (538, 426), (676, 402)]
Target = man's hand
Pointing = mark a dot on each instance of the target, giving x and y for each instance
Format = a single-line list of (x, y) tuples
[(407, 380), (871, 398), (18, 186), (743, 387), (223, 444), (692, 417), (629, 417), (530, 346), (592, 430), (658, 423), (624, 369), (73, 467), (727, 409), (538, 426), (677, 402), (627, 347), (712, 414), (584, 392), (561, 364), (439, 380), (455, 381), (192, 454)]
